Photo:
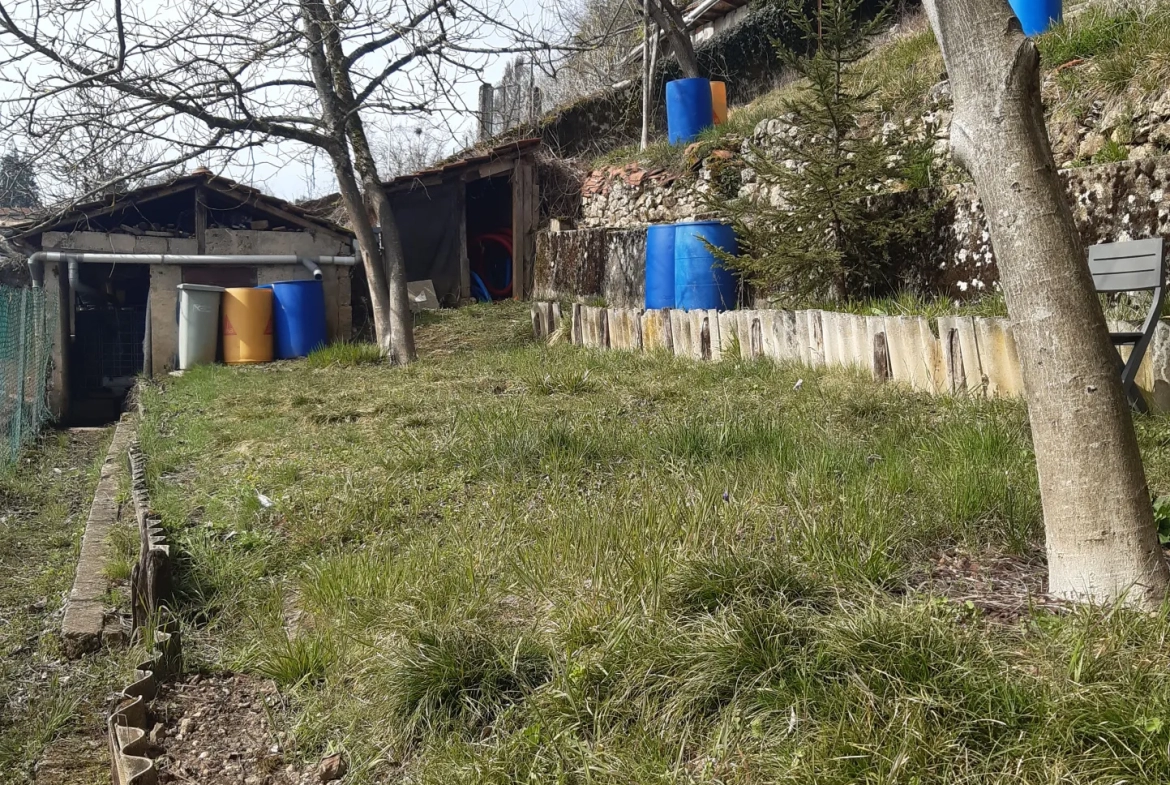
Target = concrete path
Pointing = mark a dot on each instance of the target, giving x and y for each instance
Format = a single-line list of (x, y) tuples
[(85, 609)]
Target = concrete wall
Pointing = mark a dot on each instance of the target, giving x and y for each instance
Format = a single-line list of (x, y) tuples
[(165, 278), (959, 355), (587, 264)]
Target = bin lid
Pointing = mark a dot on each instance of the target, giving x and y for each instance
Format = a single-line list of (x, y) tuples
[(199, 287)]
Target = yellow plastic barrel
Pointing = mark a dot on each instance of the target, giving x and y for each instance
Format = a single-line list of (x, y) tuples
[(247, 326), (719, 102)]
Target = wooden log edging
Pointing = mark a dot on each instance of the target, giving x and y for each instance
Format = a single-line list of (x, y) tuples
[(952, 355), (150, 586)]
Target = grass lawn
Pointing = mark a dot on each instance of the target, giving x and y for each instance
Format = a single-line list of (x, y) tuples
[(51, 710), (518, 563)]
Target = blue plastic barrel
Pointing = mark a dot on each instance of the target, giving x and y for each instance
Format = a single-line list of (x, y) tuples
[(298, 315), (701, 280), (1036, 16), (660, 266), (688, 109)]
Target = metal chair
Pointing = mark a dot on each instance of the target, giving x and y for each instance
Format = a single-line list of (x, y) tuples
[(1134, 266)]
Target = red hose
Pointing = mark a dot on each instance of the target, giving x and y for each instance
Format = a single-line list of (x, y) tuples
[(504, 240)]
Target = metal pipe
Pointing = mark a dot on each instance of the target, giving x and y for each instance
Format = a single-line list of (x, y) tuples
[(76, 284), (36, 262), (312, 267)]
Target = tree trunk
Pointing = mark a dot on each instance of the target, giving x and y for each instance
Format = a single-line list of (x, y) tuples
[(398, 341), (1101, 540), (335, 115), (668, 17), (359, 220), (401, 346)]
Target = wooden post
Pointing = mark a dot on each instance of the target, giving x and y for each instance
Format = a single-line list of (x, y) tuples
[(487, 94), (537, 107), (464, 261), (525, 216), (200, 222), (958, 371), (21, 372), (59, 395)]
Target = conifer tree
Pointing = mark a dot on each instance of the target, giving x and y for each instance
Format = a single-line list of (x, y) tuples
[(813, 228)]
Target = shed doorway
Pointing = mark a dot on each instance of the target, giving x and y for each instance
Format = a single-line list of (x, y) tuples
[(490, 248), (107, 329)]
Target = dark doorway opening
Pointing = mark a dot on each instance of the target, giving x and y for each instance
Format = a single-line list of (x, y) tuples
[(489, 238), (108, 331)]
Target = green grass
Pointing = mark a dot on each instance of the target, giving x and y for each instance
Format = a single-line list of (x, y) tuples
[(1096, 32), (911, 304), (346, 354), (902, 72), (523, 563), (47, 701)]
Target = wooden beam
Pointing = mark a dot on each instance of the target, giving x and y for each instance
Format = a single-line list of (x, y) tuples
[(200, 221), (429, 181), (494, 168), (284, 215), (525, 217), (120, 203)]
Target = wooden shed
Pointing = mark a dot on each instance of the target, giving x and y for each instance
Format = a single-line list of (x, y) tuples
[(462, 221)]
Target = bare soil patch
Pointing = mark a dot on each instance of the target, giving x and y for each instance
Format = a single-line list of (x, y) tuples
[(216, 730)]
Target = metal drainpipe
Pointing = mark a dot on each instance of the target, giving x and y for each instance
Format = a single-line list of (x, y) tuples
[(76, 284), (36, 262)]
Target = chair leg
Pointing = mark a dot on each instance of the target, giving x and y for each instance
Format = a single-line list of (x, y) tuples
[(1137, 401), (1129, 372)]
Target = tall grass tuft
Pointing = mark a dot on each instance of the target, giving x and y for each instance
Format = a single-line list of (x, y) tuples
[(456, 675), (346, 355)]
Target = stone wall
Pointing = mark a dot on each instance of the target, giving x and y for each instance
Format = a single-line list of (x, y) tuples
[(1111, 202)]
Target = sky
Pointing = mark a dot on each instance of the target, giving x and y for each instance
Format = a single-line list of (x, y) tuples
[(292, 172)]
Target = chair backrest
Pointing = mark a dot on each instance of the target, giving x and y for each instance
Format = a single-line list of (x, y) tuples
[(1132, 266)]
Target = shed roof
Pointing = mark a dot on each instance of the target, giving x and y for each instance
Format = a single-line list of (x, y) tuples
[(235, 195), (470, 165)]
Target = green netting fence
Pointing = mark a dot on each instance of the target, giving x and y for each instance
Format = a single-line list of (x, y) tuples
[(26, 344)]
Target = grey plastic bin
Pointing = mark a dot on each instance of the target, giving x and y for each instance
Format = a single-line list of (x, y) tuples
[(198, 324)]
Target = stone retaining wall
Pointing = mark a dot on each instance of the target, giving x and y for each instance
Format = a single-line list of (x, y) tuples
[(949, 355)]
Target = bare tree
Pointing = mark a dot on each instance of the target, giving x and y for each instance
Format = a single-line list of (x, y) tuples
[(1101, 540), (605, 32), (403, 150), (210, 79), (669, 18)]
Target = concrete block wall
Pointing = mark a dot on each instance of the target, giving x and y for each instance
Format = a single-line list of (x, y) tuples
[(949, 355)]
